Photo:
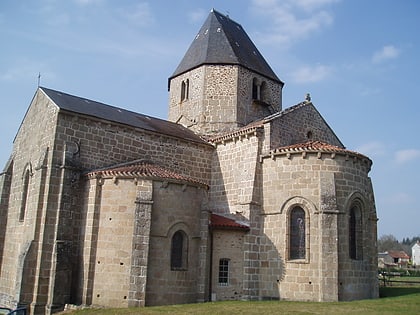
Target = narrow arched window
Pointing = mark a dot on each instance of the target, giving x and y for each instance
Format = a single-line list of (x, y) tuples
[(297, 234), (355, 232), (255, 89), (182, 90), (25, 188), (179, 251), (185, 86)]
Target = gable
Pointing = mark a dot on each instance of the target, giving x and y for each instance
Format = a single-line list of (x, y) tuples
[(298, 124)]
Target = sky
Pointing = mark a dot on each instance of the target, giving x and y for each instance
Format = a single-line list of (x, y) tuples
[(358, 59)]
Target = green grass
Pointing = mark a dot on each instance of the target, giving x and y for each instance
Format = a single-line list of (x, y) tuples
[(394, 300)]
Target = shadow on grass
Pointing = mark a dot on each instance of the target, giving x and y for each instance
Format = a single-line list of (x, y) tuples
[(397, 291)]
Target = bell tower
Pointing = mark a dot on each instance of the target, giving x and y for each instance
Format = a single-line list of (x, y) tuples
[(223, 82)]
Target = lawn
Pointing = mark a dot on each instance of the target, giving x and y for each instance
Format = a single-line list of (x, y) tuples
[(394, 300)]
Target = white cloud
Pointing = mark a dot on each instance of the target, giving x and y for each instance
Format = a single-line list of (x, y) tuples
[(292, 20), (309, 5), (404, 156), (23, 70), (386, 53), (139, 14), (400, 198), (197, 16), (315, 73), (373, 148), (88, 2)]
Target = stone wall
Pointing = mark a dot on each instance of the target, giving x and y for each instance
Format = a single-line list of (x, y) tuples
[(234, 172), (298, 125), (269, 102), (228, 244), (326, 181), (21, 262), (220, 98), (113, 242), (176, 207), (103, 144)]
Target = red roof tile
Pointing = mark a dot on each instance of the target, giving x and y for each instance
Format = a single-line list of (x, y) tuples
[(142, 169), (316, 146), (398, 254), (220, 222)]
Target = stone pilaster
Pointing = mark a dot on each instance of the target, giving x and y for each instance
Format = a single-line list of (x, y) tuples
[(204, 261), (141, 242), (328, 223)]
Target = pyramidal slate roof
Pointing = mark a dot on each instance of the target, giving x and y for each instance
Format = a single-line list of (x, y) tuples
[(223, 41), (99, 110)]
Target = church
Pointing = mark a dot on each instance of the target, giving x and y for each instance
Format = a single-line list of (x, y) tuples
[(232, 198)]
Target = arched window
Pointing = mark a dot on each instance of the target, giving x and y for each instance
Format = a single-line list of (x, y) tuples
[(255, 89), (355, 232), (185, 86), (179, 252), (25, 188), (297, 234)]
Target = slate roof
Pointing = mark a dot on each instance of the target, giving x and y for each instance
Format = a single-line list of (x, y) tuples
[(142, 169), (95, 109), (224, 41), (220, 222)]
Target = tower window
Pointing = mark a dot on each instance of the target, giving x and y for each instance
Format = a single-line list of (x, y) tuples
[(224, 272), (185, 86), (255, 89), (179, 251), (297, 235)]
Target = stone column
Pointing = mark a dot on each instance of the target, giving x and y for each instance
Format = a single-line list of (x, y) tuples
[(141, 242)]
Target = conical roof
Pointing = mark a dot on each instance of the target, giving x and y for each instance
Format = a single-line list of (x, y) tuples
[(223, 41)]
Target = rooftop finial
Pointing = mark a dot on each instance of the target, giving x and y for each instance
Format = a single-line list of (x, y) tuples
[(39, 78), (307, 97)]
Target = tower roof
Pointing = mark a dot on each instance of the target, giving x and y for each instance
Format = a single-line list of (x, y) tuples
[(223, 41)]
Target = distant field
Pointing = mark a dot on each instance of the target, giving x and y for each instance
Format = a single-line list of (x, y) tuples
[(394, 300)]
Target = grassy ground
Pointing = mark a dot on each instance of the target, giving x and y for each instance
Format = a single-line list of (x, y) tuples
[(394, 300)]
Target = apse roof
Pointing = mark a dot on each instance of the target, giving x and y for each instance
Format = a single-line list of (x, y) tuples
[(91, 108), (223, 41), (143, 169)]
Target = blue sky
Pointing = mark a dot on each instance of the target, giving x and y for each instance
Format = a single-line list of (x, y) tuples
[(359, 60)]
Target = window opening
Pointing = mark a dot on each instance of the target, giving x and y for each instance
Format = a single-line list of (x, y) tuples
[(355, 233), (179, 251), (255, 89), (185, 86), (297, 242), (224, 272), (24, 196)]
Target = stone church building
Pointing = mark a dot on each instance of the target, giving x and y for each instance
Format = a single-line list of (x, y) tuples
[(231, 198)]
